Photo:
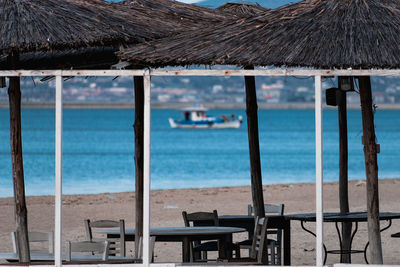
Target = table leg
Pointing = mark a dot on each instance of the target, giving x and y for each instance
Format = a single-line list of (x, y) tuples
[(225, 247), (185, 249), (286, 243)]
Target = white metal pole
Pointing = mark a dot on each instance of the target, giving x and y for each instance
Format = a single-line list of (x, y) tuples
[(319, 171), (58, 189), (146, 170)]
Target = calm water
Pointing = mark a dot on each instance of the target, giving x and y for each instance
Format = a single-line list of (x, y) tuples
[(99, 145)]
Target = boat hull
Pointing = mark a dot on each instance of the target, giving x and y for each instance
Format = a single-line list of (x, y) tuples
[(204, 124)]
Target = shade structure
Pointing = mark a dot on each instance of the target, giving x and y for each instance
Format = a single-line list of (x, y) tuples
[(68, 34), (243, 10), (338, 34), (34, 25)]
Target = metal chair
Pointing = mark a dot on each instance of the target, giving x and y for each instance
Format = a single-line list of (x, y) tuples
[(116, 245), (201, 219), (274, 243)]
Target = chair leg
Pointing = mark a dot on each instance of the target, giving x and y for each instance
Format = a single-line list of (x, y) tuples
[(279, 254), (272, 249), (237, 252)]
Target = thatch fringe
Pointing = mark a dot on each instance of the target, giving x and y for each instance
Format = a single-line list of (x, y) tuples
[(185, 16), (243, 10), (321, 33)]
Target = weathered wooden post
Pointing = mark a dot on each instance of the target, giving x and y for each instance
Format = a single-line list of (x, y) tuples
[(254, 146), (343, 83), (21, 213), (371, 169), (138, 128)]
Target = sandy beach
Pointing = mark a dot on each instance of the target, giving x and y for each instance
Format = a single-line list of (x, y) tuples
[(167, 206)]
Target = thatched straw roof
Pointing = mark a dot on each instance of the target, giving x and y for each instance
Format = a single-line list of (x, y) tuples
[(82, 58), (322, 34), (32, 25), (186, 15), (243, 10)]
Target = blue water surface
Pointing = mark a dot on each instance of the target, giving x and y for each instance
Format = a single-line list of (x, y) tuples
[(98, 150)]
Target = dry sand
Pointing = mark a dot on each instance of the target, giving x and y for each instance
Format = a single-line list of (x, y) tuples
[(167, 205)]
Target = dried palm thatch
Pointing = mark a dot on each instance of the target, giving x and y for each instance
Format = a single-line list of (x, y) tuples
[(170, 11), (81, 58), (321, 33), (33, 25), (243, 10)]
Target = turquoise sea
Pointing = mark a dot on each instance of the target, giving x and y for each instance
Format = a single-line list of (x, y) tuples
[(98, 150)]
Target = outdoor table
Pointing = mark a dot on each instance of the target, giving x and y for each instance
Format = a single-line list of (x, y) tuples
[(186, 235), (336, 217), (274, 221)]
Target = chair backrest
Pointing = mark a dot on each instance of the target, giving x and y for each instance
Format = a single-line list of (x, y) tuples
[(151, 252), (38, 238), (259, 240), (269, 209), (200, 218), (88, 247), (117, 245)]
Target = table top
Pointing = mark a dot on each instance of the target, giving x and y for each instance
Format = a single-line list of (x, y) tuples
[(337, 217), (245, 217), (185, 231)]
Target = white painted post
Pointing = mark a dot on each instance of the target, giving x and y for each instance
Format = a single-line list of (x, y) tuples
[(319, 171), (146, 170), (58, 189)]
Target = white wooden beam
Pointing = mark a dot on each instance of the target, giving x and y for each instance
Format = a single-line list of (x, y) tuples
[(58, 174), (319, 172), (146, 170), (204, 72)]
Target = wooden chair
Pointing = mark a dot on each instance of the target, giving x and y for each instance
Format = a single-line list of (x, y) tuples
[(116, 245), (37, 238), (201, 219), (151, 252), (90, 248), (276, 241), (258, 253)]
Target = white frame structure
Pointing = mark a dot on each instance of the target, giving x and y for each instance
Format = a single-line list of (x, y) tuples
[(318, 74)]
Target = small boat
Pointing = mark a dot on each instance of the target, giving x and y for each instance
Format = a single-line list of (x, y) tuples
[(196, 118)]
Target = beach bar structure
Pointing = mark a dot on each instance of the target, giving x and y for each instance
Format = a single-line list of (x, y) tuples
[(374, 69), (147, 74)]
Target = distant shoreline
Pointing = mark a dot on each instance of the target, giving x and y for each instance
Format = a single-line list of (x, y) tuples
[(264, 106)]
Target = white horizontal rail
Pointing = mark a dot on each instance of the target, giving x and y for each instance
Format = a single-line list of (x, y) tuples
[(227, 72), (107, 265)]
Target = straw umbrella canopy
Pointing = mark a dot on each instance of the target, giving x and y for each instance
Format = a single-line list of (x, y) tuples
[(188, 16), (328, 34), (319, 34), (243, 10)]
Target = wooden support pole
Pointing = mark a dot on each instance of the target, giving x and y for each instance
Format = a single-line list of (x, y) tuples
[(371, 169), (21, 213), (254, 146), (138, 128), (343, 170)]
